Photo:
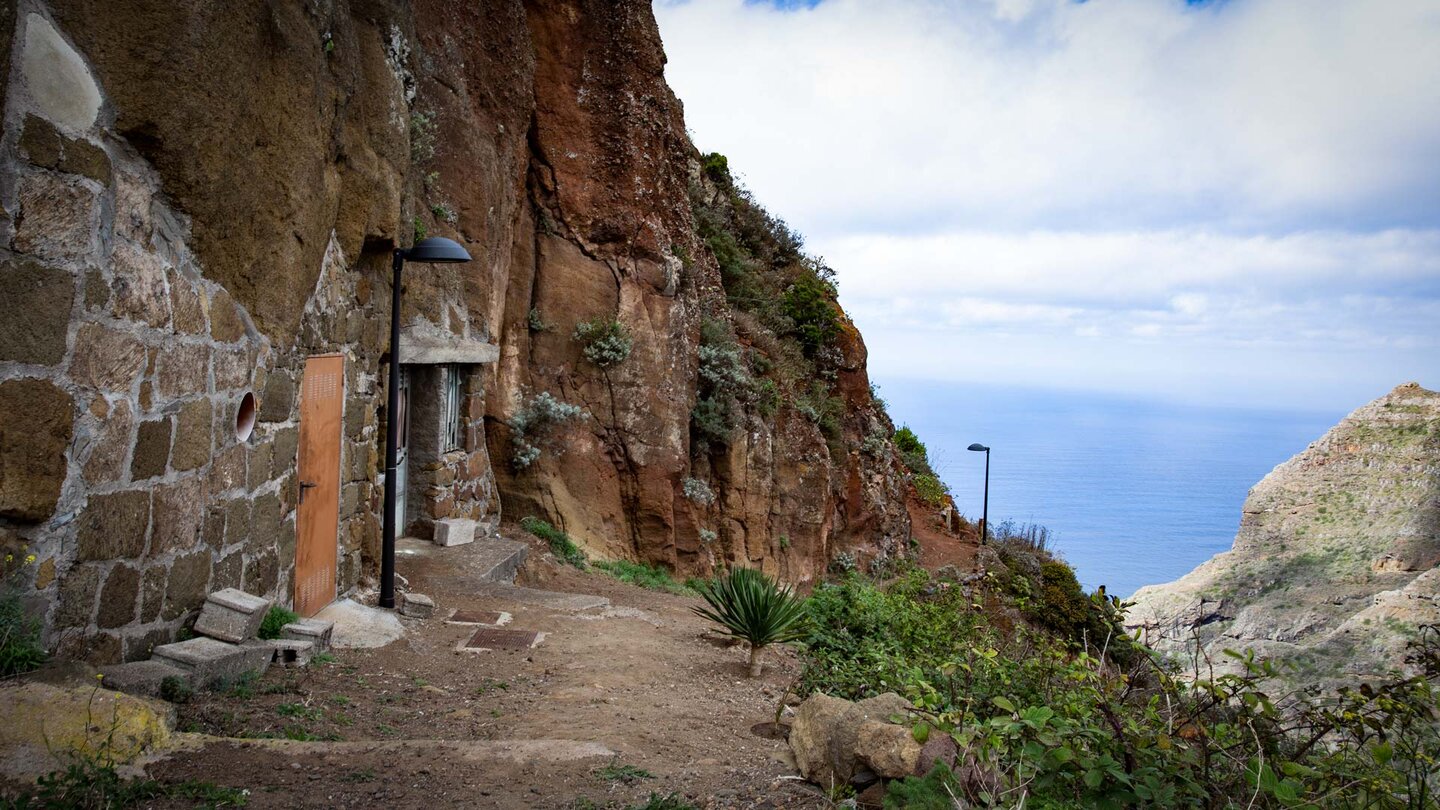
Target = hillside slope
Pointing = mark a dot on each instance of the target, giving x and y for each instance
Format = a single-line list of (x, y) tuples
[(1334, 568)]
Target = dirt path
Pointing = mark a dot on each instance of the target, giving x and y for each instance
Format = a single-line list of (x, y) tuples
[(415, 724)]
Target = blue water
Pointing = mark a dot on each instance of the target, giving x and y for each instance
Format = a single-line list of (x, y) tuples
[(1134, 492)]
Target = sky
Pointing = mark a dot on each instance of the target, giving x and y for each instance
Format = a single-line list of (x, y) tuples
[(1234, 202)]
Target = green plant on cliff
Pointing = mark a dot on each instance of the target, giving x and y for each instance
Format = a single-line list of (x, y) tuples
[(533, 421), (751, 606), (604, 341), (810, 304), (912, 451), (20, 648), (559, 542)]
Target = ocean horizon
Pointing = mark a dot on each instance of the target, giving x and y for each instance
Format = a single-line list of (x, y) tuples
[(1134, 492)]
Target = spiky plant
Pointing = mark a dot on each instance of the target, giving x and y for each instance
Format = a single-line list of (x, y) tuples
[(751, 606)]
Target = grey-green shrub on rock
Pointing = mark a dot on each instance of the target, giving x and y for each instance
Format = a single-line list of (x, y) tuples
[(533, 421), (604, 341)]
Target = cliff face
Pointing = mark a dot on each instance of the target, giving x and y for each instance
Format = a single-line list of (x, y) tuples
[(1335, 564), (198, 197)]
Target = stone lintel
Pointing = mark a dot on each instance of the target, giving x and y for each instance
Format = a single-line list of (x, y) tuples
[(426, 348)]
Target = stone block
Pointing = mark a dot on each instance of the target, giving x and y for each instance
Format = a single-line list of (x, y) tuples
[(454, 532), (152, 592), (179, 515), (210, 662), (36, 422), (139, 288), (106, 358), (287, 652), (279, 399), (152, 449), (192, 436), (315, 631), (417, 606), (142, 677), (113, 526), (78, 588), (182, 370), (185, 307), (189, 581), (106, 462), (226, 324), (37, 313), (232, 615), (119, 597), (58, 219)]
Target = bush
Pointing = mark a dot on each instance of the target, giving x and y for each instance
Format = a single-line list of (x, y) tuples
[(751, 606), (604, 341), (912, 452), (560, 543), (931, 489), (710, 423), (717, 167), (697, 491), (533, 421), (809, 303), (275, 619)]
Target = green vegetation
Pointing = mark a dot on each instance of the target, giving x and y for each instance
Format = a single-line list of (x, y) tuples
[(90, 783), (930, 489), (810, 304), (20, 648), (670, 801), (533, 422), (560, 543), (604, 341), (275, 620), (646, 576), (751, 606), (626, 774), (1061, 715)]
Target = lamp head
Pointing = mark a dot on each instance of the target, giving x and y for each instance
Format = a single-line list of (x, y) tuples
[(436, 250), (978, 447)]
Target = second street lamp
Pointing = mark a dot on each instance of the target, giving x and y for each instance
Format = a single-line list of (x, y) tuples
[(435, 250), (985, 508)]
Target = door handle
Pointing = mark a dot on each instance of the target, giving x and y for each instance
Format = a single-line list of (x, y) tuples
[(304, 485)]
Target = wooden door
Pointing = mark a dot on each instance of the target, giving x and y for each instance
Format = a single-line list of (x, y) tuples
[(317, 518)]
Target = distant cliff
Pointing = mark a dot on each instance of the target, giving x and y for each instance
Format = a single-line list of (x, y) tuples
[(1335, 565)]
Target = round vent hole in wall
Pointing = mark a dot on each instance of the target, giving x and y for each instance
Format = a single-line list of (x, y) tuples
[(245, 417)]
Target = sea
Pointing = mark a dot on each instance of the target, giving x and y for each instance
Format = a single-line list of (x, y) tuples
[(1133, 492)]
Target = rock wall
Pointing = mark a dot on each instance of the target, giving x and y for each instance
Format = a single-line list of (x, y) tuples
[(194, 198), (1334, 568)]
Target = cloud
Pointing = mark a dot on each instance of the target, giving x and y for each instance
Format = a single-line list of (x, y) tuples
[(1106, 191)]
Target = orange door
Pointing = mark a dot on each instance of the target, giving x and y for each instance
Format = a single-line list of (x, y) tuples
[(317, 519)]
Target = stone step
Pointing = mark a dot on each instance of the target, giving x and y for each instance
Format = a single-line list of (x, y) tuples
[(232, 615), (142, 677), (497, 560), (552, 600), (210, 661), (287, 652), (315, 631)]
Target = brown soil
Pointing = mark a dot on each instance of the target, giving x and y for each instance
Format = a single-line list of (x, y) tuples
[(645, 679), (939, 547)]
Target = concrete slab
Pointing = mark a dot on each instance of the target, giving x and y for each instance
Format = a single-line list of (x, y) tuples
[(287, 652), (553, 600), (211, 662), (315, 631), (142, 677), (232, 615), (361, 626)]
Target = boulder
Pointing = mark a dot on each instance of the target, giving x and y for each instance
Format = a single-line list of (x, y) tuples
[(889, 749), (826, 734)]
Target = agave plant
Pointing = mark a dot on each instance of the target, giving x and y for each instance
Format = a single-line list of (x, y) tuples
[(751, 606)]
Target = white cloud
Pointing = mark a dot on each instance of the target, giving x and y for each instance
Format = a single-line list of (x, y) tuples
[(1112, 192)]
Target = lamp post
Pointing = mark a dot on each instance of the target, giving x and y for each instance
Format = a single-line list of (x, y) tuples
[(435, 250), (985, 509)]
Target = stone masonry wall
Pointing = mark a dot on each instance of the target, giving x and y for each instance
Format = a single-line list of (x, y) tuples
[(121, 372)]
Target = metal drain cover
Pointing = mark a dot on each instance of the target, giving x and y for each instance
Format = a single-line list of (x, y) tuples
[(490, 617), (492, 638)]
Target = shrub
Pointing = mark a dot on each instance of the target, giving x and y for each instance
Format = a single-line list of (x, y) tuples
[(809, 304), (604, 341), (710, 423), (912, 452), (560, 543), (643, 575), (275, 619), (535, 321), (750, 606), (697, 491), (533, 421), (930, 489), (422, 136), (717, 167), (708, 536)]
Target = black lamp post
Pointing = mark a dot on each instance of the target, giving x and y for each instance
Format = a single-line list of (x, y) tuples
[(435, 250), (985, 509)]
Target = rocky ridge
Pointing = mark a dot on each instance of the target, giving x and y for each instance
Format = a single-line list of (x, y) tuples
[(1336, 566)]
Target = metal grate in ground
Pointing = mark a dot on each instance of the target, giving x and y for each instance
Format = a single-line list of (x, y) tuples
[(493, 638), (490, 617)]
